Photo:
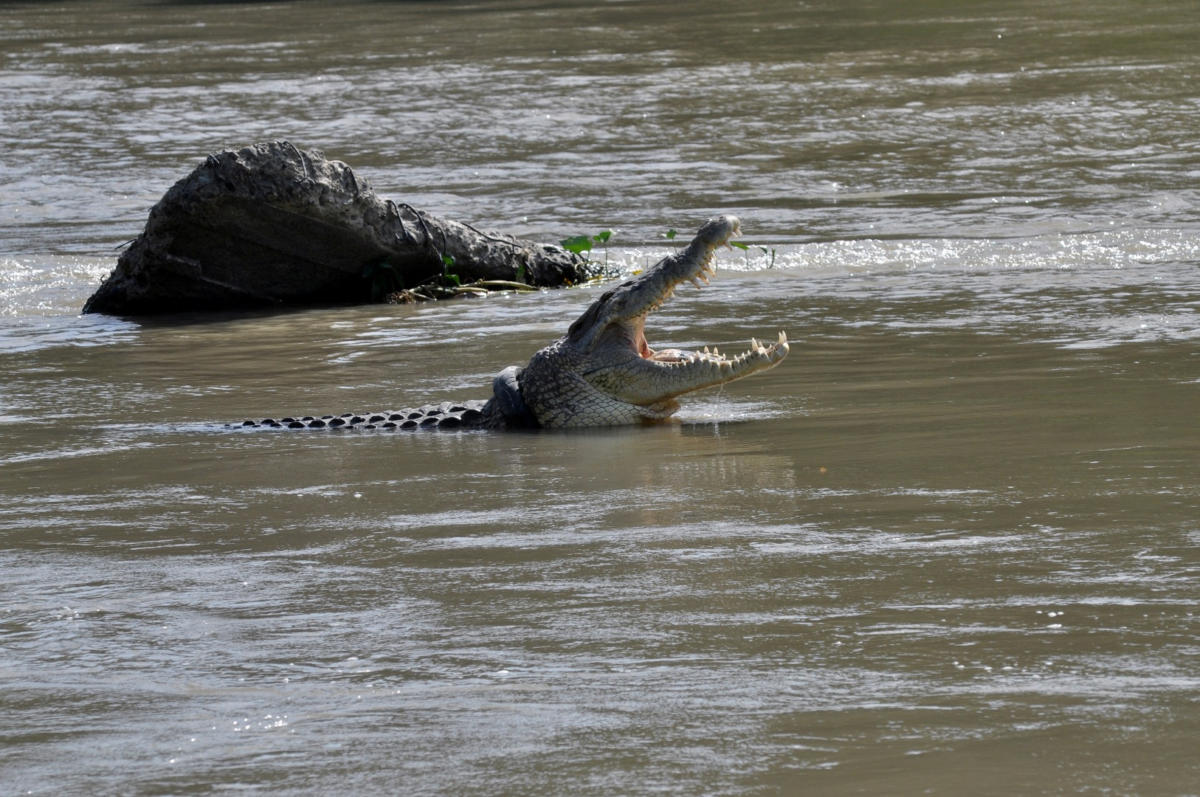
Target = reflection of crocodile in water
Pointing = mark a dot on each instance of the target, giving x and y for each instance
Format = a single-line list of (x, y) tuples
[(601, 373)]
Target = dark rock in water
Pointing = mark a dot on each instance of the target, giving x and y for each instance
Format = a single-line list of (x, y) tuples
[(273, 225)]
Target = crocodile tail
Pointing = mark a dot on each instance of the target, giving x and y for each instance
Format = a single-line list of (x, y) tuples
[(447, 415)]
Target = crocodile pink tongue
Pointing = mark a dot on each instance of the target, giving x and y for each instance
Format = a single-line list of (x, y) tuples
[(662, 355)]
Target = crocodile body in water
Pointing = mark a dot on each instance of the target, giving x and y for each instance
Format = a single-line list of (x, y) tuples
[(601, 373)]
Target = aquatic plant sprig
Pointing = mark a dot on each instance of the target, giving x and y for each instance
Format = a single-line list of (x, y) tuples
[(767, 253), (582, 244), (447, 275)]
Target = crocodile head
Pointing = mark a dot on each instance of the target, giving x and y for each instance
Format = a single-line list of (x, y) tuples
[(603, 372)]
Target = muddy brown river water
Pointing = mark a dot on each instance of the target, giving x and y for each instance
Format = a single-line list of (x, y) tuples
[(948, 546)]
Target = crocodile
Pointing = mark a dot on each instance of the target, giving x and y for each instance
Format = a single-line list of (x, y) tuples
[(601, 373)]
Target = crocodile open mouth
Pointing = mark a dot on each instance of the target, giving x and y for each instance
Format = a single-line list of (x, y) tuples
[(706, 269), (625, 376), (758, 350)]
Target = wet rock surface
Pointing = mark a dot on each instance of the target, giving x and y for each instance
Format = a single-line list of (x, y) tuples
[(274, 225)]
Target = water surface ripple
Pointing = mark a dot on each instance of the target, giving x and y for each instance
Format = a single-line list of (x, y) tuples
[(948, 546)]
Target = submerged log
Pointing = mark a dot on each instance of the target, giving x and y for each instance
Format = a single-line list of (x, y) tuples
[(273, 225)]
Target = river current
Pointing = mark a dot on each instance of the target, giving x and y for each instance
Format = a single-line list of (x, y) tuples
[(948, 546)]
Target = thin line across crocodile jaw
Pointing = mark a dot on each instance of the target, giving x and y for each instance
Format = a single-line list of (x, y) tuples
[(604, 372)]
